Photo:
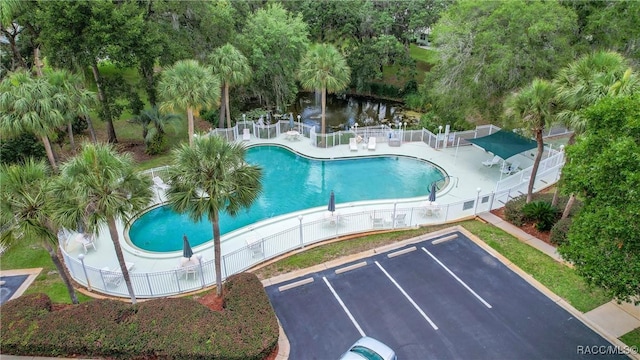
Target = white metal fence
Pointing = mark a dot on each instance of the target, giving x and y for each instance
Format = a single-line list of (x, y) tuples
[(309, 230)]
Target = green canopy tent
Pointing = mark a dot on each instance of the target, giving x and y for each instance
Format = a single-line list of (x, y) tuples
[(504, 143)]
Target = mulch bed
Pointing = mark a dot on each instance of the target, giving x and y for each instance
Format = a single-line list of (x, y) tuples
[(528, 228)]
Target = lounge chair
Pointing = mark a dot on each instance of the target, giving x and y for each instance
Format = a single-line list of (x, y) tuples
[(159, 183), (113, 277), (246, 135), (372, 143), (86, 240), (399, 220), (377, 222), (511, 168), (496, 160), (353, 144)]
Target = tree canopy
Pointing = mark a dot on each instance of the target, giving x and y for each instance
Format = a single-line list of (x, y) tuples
[(603, 168)]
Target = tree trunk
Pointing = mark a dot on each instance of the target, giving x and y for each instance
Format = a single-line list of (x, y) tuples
[(217, 248), (554, 201), (567, 208), (17, 57), (63, 274), (49, 150), (123, 266), (536, 164), (323, 104), (72, 141), (111, 132), (37, 63), (222, 110), (226, 101), (190, 124), (92, 131)]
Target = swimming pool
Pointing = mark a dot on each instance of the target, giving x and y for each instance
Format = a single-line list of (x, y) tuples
[(291, 183)]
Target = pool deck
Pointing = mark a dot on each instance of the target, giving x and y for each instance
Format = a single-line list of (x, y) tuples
[(464, 165)]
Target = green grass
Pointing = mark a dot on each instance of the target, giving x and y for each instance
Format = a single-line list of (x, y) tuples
[(426, 56), (27, 255), (632, 338)]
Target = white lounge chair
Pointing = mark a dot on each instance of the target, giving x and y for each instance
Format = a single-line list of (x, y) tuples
[(86, 240), (377, 222), (511, 168), (353, 144), (372, 143), (113, 277), (399, 220), (246, 135), (496, 160), (159, 183)]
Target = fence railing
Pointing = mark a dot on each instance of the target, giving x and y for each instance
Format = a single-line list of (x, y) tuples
[(385, 215)]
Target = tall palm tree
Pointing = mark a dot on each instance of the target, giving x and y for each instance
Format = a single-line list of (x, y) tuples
[(233, 69), (101, 186), (189, 86), (80, 100), (584, 82), (325, 69), (26, 211), (211, 177), (29, 105), (534, 108)]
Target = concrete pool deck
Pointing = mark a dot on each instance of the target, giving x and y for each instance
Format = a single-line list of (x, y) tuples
[(463, 165)]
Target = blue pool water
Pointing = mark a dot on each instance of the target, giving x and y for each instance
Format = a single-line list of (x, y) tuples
[(291, 183)]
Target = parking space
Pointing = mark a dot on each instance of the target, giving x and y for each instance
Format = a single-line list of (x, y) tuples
[(445, 300)]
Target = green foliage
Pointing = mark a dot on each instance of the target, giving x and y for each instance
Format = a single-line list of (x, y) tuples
[(603, 169), (247, 328), (541, 213), (632, 338), (489, 48), (513, 209), (18, 149), (559, 231), (156, 145)]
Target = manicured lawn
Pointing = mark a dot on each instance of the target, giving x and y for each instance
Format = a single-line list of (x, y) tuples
[(632, 339)]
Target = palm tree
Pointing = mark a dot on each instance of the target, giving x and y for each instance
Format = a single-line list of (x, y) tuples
[(189, 86), (233, 69), (101, 186), (583, 83), (534, 108), (212, 177), (29, 105), (26, 211), (79, 99), (324, 68), (158, 122)]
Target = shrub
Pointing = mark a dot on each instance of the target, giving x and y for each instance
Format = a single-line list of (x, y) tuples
[(542, 213), (513, 210), (559, 231), (181, 328)]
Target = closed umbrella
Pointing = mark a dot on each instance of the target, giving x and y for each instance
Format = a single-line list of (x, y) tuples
[(186, 248), (432, 194), (332, 202), (290, 121)]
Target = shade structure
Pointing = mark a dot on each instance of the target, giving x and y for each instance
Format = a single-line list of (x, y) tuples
[(332, 202), (432, 193), (505, 144), (186, 248)]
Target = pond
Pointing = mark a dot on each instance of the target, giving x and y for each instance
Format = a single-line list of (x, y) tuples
[(342, 112)]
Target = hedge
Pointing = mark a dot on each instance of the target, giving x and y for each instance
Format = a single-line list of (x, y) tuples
[(246, 328)]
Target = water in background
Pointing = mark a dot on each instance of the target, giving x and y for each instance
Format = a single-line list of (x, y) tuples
[(291, 183), (343, 112)]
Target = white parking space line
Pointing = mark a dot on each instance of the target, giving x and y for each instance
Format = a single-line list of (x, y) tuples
[(457, 278), (344, 307), (433, 325)]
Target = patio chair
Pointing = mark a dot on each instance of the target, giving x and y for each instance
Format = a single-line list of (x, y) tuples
[(246, 135), (372, 143), (496, 160), (511, 168), (377, 223), (399, 220), (159, 183), (353, 144), (254, 244), (86, 240), (113, 277)]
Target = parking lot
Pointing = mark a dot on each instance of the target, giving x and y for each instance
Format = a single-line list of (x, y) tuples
[(441, 298)]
